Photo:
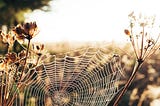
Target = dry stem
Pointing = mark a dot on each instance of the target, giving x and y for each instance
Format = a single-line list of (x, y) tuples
[(136, 68)]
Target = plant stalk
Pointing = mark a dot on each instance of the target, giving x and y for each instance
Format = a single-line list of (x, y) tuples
[(136, 68), (25, 62)]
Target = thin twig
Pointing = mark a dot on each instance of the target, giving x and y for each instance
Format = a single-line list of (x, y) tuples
[(136, 67), (154, 48), (25, 58), (133, 43), (25, 62), (142, 43)]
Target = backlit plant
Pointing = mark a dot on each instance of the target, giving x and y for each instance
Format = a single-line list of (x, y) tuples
[(141, 33), (17, 57)]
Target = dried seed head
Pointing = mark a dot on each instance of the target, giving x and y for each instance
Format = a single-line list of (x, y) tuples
[(143, 43)]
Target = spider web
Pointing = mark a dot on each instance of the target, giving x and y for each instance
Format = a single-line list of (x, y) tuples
[(85, 77)]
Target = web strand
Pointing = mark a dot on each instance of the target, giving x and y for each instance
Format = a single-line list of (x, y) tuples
[(86, 77)]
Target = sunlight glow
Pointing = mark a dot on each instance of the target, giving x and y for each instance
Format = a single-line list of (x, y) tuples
[(89, 20)]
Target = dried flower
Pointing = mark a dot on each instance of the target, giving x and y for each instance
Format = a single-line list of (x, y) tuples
[(19, 32), (30, 29), (26, 31), (11, 57), (143, 43)]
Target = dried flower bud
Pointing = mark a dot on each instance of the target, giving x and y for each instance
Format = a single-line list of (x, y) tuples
[(11, 57), (22, 54), (42, 47), (37, 47), (150, 42), (127, 32), (26, 27), (19, 30)]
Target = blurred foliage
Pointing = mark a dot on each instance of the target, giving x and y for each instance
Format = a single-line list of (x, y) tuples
[(4, 46), (12, 11), (17, 47)]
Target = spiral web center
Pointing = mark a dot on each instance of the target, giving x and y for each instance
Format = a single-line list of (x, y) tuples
[(61, 98)]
